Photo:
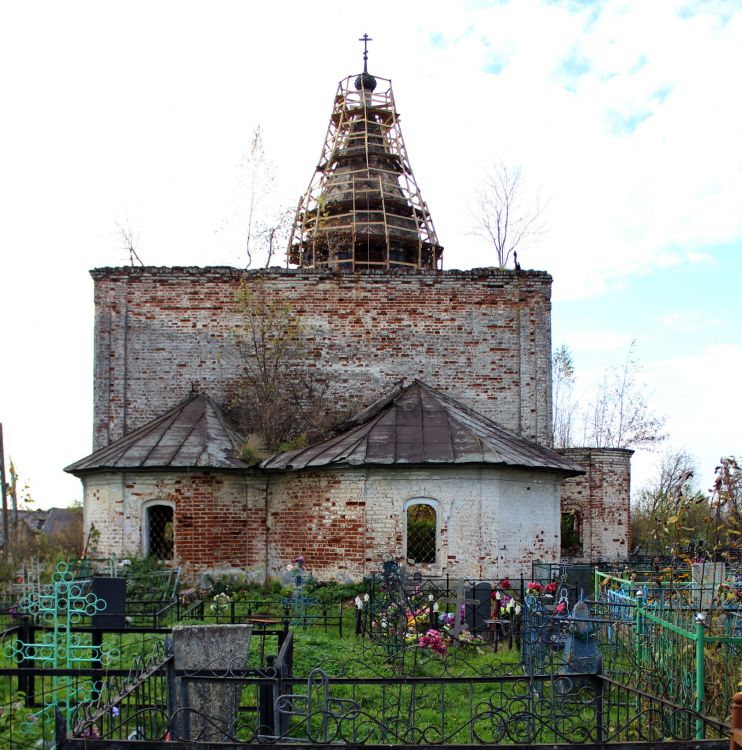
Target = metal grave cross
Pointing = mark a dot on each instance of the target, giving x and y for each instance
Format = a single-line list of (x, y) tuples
[(61, 604), (460, 601)]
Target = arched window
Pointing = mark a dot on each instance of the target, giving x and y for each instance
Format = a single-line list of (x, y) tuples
[(571, 530), (421, 532), (158, 538)]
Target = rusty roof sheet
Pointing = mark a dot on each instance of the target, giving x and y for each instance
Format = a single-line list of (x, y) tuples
[(417, 424), (193, 434)]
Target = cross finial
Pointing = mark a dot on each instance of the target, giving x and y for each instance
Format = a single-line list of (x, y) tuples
[(365, 39)]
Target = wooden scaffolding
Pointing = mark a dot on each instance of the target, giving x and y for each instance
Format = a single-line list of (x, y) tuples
[(363, 209)]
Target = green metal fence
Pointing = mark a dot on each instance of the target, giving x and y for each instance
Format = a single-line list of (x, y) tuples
[(686, 654)]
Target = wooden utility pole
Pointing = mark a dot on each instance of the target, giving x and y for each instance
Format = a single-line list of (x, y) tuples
[(3, 489), (13, 487)]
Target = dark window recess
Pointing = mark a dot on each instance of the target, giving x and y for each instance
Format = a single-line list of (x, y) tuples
[(421, 533), (571, 534), (160, 532)]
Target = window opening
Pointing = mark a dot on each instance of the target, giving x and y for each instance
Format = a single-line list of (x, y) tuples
[(421, 533), (160, 532), (571, 533)]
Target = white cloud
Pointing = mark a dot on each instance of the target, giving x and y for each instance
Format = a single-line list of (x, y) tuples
[(621, 112), (690, 320), (698, 394), (604, 341)]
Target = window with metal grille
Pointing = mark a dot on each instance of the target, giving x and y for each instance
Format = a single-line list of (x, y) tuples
[(422, 534), (159, 532)]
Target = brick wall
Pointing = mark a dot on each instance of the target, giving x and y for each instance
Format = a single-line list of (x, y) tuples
[(483, 336), (602, 499), (491, 522), (219, 519), (319, 515)]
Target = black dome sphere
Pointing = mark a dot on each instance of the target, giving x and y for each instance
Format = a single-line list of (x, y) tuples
[(365, 81)]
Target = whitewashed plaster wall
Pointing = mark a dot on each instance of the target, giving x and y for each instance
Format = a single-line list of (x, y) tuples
[(492, 522)]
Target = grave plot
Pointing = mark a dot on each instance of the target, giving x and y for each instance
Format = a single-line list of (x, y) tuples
[(474, 662)]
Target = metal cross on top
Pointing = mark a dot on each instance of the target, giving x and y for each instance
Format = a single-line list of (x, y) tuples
[(365, 39)]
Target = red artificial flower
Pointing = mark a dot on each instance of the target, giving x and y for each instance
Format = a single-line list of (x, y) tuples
[(551, 588)]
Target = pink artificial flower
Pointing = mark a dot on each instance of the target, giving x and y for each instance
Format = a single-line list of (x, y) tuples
[(535, 587), (434, 641), (561, 608)]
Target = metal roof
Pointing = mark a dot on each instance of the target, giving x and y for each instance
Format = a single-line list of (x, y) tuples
[(193, 434), (417, 424)]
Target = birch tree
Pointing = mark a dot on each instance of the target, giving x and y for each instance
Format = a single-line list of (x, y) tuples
[(504, 215), (618, 415), (563, 380)]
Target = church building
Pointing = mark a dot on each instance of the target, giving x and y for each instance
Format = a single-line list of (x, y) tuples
[(446, 462)]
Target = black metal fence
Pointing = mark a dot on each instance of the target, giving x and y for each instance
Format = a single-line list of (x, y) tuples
[(271, 612), (134, 675), (584, 709)]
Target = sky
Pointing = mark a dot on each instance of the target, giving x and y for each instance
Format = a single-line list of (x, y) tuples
[(624, 118)]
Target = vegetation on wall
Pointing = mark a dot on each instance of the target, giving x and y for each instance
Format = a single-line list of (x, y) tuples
[(278, 401)]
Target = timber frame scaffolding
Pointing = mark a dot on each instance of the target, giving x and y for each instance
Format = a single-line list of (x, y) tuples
[(363, 209)]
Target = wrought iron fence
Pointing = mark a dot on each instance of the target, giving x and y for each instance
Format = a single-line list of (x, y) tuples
[(270, 612), (133, 677), (322, 710)]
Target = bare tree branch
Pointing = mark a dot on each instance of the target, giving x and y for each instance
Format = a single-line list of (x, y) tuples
[(278, 401), (503, 216), (618, 415), (126, 235)]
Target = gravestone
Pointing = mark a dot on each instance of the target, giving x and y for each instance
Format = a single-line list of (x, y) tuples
[(706, 578), (113, 592), (207, 709), (481, 597), (582, 649)]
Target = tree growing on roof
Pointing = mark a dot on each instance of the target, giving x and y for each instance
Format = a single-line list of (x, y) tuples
[(267, 225), (504, 215), (278, 401)]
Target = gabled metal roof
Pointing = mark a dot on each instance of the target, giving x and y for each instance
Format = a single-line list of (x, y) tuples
[(193, 434), (417, 424)]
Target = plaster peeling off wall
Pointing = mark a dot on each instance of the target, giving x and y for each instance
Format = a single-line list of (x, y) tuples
[(344, 522), (481, 510), (219, 519)]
